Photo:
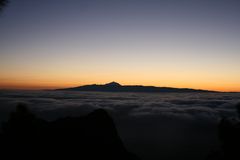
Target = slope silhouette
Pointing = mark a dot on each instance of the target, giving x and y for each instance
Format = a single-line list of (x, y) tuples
[(93, 136), (229, 136)]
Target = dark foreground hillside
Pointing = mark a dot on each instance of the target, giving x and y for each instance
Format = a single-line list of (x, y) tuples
[(229, 135), (93, 136)]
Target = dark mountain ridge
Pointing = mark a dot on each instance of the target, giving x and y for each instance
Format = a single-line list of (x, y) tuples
[(116, 87)]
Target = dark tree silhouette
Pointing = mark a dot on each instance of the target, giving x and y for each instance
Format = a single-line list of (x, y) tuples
[(3, 3)]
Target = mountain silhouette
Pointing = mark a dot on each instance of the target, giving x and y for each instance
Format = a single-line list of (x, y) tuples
[(94, 136), (116, 87), (113, 84)]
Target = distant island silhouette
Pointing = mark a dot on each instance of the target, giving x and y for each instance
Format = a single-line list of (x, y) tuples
[(116, 87)]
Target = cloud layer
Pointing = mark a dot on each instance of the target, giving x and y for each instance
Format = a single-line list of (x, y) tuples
[(153, 125)]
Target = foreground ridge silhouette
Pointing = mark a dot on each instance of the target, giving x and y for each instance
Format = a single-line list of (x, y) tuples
[(94, 136), (229, 135)]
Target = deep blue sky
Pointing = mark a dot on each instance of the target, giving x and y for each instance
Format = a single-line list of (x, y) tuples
[(182, 43)]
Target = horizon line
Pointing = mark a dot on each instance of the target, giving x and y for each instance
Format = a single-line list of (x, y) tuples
[(49, 87)]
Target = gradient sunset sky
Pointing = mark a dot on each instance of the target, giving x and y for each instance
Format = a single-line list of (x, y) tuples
[(175, 43)]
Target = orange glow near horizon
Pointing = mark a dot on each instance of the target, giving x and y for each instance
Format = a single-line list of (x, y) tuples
[(173, 76), (170, 77), (56, 85)]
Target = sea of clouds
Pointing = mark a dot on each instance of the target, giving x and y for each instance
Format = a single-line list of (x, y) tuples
[(152, 125)]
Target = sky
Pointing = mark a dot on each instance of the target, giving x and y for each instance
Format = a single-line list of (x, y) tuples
[(176, 43)]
